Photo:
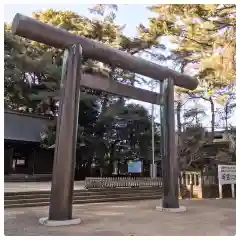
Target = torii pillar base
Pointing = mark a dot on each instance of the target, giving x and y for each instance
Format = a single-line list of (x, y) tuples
[(52, 223), (172, 210)]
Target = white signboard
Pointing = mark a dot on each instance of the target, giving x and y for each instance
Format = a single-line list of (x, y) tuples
[(227, 174)]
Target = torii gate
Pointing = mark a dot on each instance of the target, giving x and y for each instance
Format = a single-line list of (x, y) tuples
[(64, 159)]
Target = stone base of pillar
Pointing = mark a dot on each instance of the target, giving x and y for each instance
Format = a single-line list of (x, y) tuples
[(172, 210), (52, 223)]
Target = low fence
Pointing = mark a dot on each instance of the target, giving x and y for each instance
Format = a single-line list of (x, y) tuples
[(191, 184), (186, 179), (121, 182)]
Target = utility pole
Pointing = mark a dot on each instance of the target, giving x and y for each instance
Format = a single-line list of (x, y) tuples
[(153, 172)]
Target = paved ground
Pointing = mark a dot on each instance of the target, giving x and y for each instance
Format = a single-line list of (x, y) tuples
[(34, 186), (203, 218)]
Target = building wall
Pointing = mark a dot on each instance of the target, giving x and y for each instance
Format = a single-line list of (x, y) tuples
[(37, 160), (42, 161)]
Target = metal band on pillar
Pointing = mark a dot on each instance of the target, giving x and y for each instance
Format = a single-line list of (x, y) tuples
[(66, 137)]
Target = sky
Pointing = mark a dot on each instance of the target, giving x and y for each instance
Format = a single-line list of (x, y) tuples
[(125, 13), (130, 15)]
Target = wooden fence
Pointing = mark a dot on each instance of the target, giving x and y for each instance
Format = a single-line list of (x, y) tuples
[(190, 185)]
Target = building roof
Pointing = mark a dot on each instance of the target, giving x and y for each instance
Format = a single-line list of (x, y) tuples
[(24, 126)]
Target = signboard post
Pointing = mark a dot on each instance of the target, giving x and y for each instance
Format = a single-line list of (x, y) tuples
[(226, 175), (153, 169)]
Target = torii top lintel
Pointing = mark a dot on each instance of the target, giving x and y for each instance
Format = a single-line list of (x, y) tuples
[(48, 34)]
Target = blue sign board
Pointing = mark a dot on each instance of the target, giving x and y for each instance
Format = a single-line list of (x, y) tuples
[(135, 167)]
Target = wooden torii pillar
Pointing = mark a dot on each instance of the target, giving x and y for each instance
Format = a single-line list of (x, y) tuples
[(64, 160)]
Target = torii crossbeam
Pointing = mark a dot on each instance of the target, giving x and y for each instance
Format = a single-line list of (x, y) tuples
[(79, 46)]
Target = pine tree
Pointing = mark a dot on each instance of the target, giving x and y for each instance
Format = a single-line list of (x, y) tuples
[(205, 34)]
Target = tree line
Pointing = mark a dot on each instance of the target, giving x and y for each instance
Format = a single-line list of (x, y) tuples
[(110, 128)]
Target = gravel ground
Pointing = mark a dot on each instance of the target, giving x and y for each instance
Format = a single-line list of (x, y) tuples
[(212, 217)]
